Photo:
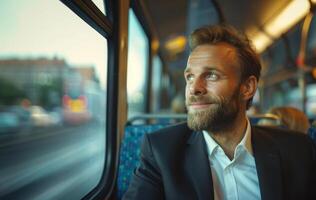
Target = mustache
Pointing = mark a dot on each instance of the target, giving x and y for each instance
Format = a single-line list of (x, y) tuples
[(202, 99)]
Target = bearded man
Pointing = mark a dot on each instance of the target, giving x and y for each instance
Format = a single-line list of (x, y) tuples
[(218, 154)]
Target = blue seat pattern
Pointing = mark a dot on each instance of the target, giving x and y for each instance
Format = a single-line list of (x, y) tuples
[(129, 153)]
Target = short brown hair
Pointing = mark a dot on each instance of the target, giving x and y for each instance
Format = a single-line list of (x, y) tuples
[(248, 59)]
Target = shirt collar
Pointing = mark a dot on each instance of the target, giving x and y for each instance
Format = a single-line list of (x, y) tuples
[(245, 142)]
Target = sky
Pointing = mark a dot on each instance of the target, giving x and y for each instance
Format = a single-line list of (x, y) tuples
[(47, 28)]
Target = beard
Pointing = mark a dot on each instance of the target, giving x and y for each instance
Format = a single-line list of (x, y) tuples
[(217, 117)]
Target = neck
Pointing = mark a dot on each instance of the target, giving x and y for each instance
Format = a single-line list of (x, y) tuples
[(229, 138)]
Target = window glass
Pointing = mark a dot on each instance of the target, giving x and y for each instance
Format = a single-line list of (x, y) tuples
[(311, 43), (278, 58), (137, 66), (100, 4), (52, 102), (156, 83)]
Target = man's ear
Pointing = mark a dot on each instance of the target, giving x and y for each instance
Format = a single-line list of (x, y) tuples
[(249, 87)]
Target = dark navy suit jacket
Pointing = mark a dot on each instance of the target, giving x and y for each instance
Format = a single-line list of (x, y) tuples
[(174, 165)]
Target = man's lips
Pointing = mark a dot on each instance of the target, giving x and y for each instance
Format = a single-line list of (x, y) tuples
[(200, 104)]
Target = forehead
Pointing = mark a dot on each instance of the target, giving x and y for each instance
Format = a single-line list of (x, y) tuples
[(219, 55)]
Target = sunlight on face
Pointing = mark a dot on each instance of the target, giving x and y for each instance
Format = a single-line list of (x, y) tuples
[(212, 90)]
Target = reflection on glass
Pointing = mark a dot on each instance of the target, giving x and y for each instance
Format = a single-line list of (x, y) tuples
[(136, 66), (52, 102)]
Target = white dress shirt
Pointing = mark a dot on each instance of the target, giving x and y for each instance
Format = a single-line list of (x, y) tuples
[(235, 179)]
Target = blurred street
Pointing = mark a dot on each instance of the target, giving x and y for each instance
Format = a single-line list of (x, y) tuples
[(62, 162)]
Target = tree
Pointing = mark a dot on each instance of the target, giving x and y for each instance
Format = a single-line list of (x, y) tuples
[(9, 93)]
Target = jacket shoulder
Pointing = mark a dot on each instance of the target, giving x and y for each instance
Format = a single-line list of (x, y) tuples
[(279, 133), (170, 139), (172, 132), (284, 138)]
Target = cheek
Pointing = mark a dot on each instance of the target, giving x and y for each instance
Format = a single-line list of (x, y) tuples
[(215, 90), (222, 94), (187, 91), (221, 88)]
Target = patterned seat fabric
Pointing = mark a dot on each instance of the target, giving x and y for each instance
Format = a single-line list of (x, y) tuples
[(130, 151)]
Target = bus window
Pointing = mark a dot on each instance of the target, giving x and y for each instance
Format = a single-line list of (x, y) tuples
[(137, 61), (52, 102), (156, 83), (100, 4), (311, 43)]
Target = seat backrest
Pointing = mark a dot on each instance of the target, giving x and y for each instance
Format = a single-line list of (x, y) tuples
[(265, 120), (130, 151)]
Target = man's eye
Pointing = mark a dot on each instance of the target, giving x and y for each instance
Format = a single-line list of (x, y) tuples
[(189, 77), (212, 77)]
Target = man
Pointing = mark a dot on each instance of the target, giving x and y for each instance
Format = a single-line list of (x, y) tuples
[(217, 154)]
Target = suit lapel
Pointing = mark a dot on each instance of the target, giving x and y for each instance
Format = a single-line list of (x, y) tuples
[(268, 165), (197, 166)]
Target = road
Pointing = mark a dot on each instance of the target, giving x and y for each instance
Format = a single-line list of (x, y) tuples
[(52, 163)]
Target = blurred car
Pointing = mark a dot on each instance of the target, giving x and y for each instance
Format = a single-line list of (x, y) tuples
[(23, 115), (9, 122), (40, 117), (57, 114)]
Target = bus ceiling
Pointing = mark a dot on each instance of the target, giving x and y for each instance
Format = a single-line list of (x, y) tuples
[(263, 21)]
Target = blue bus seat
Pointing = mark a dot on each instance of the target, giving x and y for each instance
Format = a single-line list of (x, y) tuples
[(130, 145), (130, 152)]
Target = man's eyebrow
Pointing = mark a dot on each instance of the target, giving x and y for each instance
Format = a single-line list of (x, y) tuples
[(209, 68), (205, 68)]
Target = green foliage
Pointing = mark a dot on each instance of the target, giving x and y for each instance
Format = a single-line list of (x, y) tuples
[(9, 93)]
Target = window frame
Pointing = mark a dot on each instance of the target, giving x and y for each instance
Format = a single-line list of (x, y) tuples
[(104, 25), (114, 27)]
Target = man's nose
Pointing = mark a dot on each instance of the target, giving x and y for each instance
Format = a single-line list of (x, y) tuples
[(198, 87)]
